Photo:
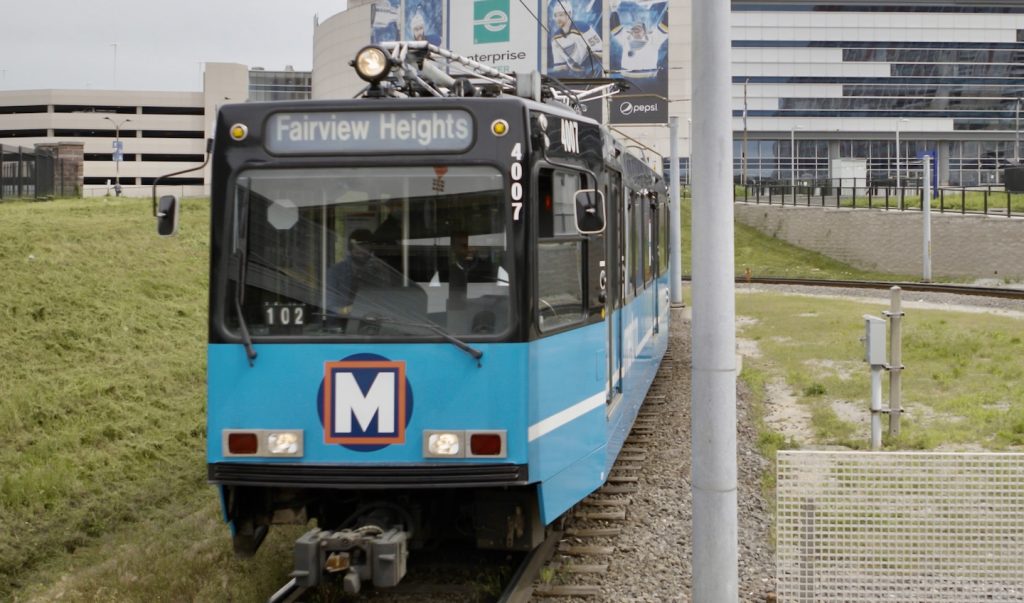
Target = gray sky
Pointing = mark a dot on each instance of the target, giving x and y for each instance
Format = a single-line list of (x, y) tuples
[(161, 44)]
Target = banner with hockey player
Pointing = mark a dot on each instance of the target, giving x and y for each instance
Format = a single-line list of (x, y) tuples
[(384, 21), (575, 48), (638, 31), (424, 20)]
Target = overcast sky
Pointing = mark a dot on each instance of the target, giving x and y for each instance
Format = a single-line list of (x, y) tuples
[(161, 44)]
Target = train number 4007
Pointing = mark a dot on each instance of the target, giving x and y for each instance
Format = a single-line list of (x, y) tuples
[(516, 175)]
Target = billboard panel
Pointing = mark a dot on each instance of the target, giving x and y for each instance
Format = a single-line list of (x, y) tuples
[(639, 54), (424, 20), (575, 48), (384, 21), (499, 33)]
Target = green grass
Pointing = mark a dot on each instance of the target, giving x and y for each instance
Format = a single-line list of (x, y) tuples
[(102, 378), (759, 255), (964, 384), (102, 389)]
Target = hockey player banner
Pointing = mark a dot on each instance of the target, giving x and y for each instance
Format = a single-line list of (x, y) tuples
[(575, 48), (638, 31), (499, 33), (384, 21), (424, 20)]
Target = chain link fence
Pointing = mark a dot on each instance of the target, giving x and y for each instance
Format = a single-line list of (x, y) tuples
[(901, 527)]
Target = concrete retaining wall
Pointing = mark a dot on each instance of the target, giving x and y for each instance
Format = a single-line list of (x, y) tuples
[(962, 245)]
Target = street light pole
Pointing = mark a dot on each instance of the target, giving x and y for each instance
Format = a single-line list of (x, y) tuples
[(118, 152), (898, 122), (1016, 133), (792, 157)]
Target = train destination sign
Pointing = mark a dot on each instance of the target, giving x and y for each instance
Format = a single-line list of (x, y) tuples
[(369, 132)]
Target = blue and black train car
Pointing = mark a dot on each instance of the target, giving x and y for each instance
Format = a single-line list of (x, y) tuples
[(428, 316)]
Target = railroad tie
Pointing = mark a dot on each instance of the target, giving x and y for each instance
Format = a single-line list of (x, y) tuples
[(566, 590)]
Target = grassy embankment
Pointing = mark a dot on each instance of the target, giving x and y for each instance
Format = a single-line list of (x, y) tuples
[(102, 395), (103, 493)]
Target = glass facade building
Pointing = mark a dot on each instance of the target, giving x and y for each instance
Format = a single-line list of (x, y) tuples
[(280, 85), (845, 81)]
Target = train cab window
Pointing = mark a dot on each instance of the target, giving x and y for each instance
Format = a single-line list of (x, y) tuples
[(358, 252), (560, 281), (557, 215)]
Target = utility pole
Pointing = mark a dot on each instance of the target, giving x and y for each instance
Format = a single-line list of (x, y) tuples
[(743, 153), (898, 122), (713, 397), (1016, 133), (115, 64), (118, 152), (675, 263), (792, 158)]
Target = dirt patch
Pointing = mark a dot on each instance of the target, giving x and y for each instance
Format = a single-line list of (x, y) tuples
[(841, 369), (784, 413)]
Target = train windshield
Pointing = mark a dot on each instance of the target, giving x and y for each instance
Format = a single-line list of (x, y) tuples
[(371, 252)]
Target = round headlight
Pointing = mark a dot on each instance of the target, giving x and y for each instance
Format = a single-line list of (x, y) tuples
[(372, 63)]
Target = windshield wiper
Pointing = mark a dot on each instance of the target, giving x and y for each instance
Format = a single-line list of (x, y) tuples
[(462, 345), (241, 254)]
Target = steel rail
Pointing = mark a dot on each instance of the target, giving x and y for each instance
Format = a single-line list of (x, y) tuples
[(906, 286), (520, 586)]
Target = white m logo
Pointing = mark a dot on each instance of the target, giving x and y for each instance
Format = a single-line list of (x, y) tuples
[(358, 392), (349, 402)]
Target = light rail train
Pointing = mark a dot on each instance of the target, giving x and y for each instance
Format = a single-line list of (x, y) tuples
[(435, 310)]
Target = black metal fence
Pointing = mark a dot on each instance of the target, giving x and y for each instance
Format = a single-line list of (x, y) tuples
[(33, 174), (858, 193)]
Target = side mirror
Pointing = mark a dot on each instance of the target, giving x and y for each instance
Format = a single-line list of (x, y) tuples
[(590, 211), (167, 216)]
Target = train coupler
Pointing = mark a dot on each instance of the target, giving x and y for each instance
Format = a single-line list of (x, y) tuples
[(366, 553)]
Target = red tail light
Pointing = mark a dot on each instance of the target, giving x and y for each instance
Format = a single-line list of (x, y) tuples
[(243, 443), (485, 444)]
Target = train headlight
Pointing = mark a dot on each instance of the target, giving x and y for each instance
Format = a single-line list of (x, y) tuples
[(284, 443), (443, 444), (372, 64)]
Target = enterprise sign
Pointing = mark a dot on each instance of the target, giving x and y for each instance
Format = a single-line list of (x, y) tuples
[(369, 132)]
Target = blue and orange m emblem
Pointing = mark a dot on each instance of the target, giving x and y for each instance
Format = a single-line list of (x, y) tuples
[(364, 402)]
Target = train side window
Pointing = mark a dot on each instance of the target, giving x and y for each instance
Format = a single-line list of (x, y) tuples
[(559, 283), (561, 294)]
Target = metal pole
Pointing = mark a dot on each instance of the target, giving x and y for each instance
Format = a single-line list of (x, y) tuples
[(674, 222), (895, 315), (1016, 133), (713, 429), (117, 162), (897, 154), (792, 159), (115, 64), (876, 407), (926, 207), (744, 151)]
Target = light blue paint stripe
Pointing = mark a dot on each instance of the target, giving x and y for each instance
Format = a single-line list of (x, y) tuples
[(568, 415)]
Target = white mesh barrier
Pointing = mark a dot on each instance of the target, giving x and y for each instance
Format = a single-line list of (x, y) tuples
[(920, 527)]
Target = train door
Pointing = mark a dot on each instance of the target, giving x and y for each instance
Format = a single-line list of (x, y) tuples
[(616, 289), (615, 266)]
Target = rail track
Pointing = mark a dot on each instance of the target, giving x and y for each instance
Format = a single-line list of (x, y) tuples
[(1005, 293), (580, 551)]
